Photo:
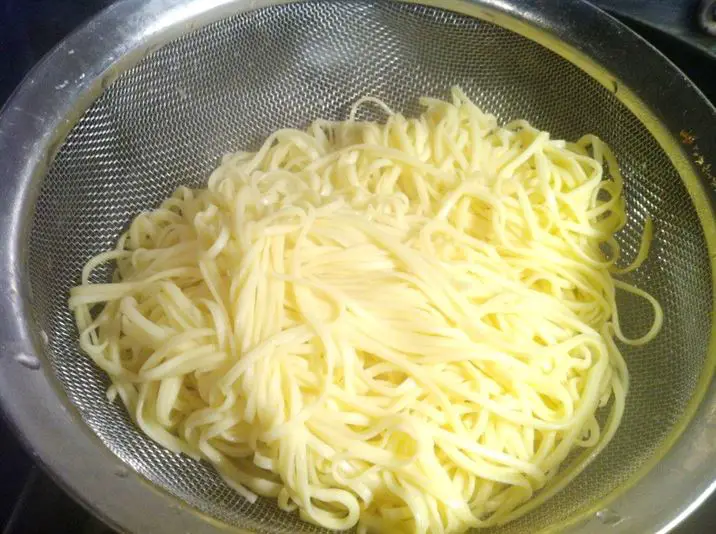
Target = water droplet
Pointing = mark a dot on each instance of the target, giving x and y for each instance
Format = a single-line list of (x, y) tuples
[(28, 360), (45, 338), (609, 517), (121, 472)]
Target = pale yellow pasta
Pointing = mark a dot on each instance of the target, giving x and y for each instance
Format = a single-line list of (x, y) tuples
[(405, 327)]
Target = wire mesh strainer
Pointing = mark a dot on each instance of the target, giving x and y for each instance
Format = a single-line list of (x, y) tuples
[(134, 120)]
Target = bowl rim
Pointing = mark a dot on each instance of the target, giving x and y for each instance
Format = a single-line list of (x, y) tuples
[(51, 99)]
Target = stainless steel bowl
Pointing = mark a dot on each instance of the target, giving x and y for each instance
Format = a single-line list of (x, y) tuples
[(148, 95)]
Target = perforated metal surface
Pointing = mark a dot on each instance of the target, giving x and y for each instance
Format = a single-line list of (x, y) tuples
[(168, 120)]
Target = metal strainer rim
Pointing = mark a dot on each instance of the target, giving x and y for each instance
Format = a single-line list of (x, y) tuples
[(59, 90)]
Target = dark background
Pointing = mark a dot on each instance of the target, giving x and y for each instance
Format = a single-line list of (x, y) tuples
[(29, 501)]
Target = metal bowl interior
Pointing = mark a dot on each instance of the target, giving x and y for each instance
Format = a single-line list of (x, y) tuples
[(150, 124)]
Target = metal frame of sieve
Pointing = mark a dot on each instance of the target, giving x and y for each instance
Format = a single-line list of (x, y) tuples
[(38, 117)]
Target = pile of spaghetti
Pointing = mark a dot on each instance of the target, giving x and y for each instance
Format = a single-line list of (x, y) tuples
[(405, 326)]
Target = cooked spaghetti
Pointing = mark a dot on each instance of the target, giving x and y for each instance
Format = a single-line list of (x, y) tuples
[(406, 326)]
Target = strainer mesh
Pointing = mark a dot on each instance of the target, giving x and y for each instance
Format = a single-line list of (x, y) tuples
[(168, 120)]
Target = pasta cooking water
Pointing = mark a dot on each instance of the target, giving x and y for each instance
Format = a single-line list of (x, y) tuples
[(405, 327)]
